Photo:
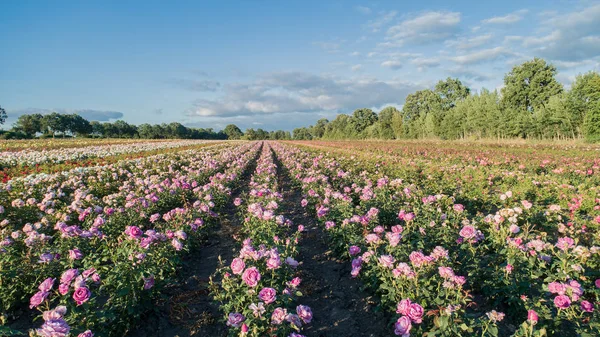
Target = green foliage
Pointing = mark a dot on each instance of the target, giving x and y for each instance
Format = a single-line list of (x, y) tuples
[(233, 132), (2, 115), (530, 85)]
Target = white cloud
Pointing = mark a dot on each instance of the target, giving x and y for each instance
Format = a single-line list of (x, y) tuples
[(363, 10), (572, 36), (355, 53), (469, 74), (422, 63), (195, 85), (382, 21), (357, 67), (392, 64), (425, 28), (480, 56), (507, 19), (290, 92), (468, 43)]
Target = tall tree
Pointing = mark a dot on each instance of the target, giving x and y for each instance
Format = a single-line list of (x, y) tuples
[(2, 115), (233, 132), (29, 124), (530, 85), (420, 112), (583, 98), (451, 91), (386, 120), (363, 118)]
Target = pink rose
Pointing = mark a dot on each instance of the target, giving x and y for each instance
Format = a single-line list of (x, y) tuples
[(237, 266), (353, 250), (597, 283), (403, 307), (63, 288), (415, 313), (235, 320), (304, 313), (46, 286), (251, 276), (267, 295), (38, 298), (562, 301), (402, 326), (532, 317), (133, 231), (587, 306), (86, 333), (295, 282), (81, 295), (278, 316), (557, 288), (468, 232), (75, 254)]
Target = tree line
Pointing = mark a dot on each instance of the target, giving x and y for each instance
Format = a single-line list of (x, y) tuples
[(532, 104), (72, 125)]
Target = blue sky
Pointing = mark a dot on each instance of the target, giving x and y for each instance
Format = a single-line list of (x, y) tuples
[(272, 64)]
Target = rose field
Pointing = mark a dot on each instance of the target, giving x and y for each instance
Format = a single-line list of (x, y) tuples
[(299, 238)]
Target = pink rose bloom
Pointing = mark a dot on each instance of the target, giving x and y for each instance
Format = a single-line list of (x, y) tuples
[(251, 276), (304, 313), (402, 327), (587, 306), (597, 283), (446, 272), (235, 320), (295, 282), (278, 316), (403, 307), (557, 288), (75, 254), (562, 301), (291, 262), (393, 238), (267, 295), (468, 232), (133, 231), (237, 266), (63, 288), (38, 298), (353, 250), (81, 295), (387, 261), (47, 285), (532, 317), (509, 268), (86, 333), (458, 208), (415, 313), (565, 243), (274, 262)]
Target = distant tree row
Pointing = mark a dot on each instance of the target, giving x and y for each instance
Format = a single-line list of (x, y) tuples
[(73, 125), (532, 104)]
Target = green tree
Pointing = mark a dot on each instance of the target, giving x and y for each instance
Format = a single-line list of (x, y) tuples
[(233, 132), (386, 121), (530, 85), (318, 130), (29, 124), (363, 118), (583, 98), (2, 115), (421, 112), (451, 91)]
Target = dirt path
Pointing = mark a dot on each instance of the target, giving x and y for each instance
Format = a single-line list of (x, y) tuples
[(188, 309), (339, 307)]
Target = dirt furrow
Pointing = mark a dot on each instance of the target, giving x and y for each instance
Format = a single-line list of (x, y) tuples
[(187, 309), (339, 307)]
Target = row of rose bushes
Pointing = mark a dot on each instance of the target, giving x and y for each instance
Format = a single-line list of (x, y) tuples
[(28, 157), (446, 271), (91, 248), (57, 143), (258, 290)]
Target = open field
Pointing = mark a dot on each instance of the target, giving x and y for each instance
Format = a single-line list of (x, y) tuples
[(301, 238)]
